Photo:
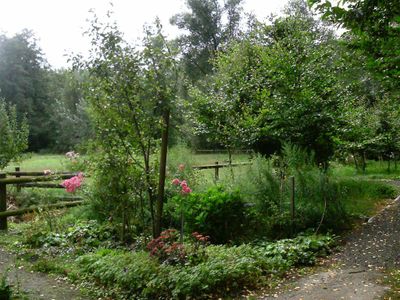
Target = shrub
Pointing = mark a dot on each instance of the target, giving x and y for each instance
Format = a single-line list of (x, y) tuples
[(217, 213)]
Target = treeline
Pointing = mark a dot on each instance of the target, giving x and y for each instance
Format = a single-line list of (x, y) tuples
[(51, 100), (245, 82)]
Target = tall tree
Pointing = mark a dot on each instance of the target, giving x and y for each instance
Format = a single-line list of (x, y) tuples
[(23, 83), (207, 32), (282, 84)]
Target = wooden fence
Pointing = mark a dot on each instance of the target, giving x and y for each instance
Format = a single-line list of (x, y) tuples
[(216, 166), (32, 179), (23, 179)]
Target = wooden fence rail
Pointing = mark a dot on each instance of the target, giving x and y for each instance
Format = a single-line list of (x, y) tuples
[(32, 179), (42, 180), (216, 166)]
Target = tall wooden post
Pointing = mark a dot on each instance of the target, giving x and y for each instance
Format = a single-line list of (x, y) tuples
[(3, 202), (216, 171), (292, 202), (17, 169)]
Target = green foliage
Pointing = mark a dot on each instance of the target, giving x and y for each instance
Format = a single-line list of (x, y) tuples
[(166, 247), (69, 110), (223, 271), (206, 33), (14, 134), (5, 289), (217, 213), (374, 25), (268, 185), (24, 84), (278, 85), (81, 237), (126, 109), (129, 271)]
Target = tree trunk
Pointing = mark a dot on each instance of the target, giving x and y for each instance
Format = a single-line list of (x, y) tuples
[(363, 162), (163, 166)]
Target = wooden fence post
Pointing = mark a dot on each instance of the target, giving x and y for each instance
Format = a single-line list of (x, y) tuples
[(17, 169), (216, 171), (3, 202), (292, 202)]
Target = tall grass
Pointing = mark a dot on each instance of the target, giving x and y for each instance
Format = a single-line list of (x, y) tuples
[(323, 200)]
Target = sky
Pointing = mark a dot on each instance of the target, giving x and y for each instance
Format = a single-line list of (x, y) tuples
[(59, 24)]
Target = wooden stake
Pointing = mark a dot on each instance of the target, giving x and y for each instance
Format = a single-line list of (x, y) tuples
[(3, 203), (292, 202), (216, 171)]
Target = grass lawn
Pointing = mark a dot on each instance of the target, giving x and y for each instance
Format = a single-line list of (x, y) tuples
[(40, 162), (374, 170)]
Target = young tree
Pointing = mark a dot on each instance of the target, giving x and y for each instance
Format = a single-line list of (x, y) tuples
[(13, 134), (130, 93)]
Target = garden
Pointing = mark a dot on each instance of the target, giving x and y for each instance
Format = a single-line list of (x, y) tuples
[(194, 172)]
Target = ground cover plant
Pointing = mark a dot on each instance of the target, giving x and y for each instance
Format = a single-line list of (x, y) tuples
[(219, 255)]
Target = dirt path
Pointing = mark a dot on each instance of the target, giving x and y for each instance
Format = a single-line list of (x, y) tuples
[(355, 272), (36, 285)]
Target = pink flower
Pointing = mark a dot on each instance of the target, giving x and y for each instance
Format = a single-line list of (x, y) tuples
[(176, 181), (181, 167), (186, 190), (183, 183), (73, 183)]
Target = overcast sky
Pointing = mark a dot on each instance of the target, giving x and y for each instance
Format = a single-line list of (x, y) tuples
[(59, 24)]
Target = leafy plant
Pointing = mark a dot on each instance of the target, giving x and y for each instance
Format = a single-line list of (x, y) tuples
[(223, 270), (14, 134), (217, 213), (167, 248), (5, 288)]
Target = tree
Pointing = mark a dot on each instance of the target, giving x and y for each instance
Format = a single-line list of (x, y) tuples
[(130, 94), (283, 83), (376, 31), (207, 33), (23, 83), (14, 134), (71, 126)]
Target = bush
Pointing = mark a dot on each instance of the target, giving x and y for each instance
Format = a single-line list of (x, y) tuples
[(223, 270), (217, 213)]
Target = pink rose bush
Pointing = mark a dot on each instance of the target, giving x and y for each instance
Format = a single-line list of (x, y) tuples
[(185, 189), (73, 183)]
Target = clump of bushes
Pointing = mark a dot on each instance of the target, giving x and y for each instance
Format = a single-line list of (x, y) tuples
[(218, 213), (219, 270)]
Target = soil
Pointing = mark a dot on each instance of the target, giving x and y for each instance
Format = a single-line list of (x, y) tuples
[(357, 271), (36, 285)]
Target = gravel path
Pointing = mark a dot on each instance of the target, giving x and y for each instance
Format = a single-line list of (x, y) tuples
[(36, 285), (355, 272)]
